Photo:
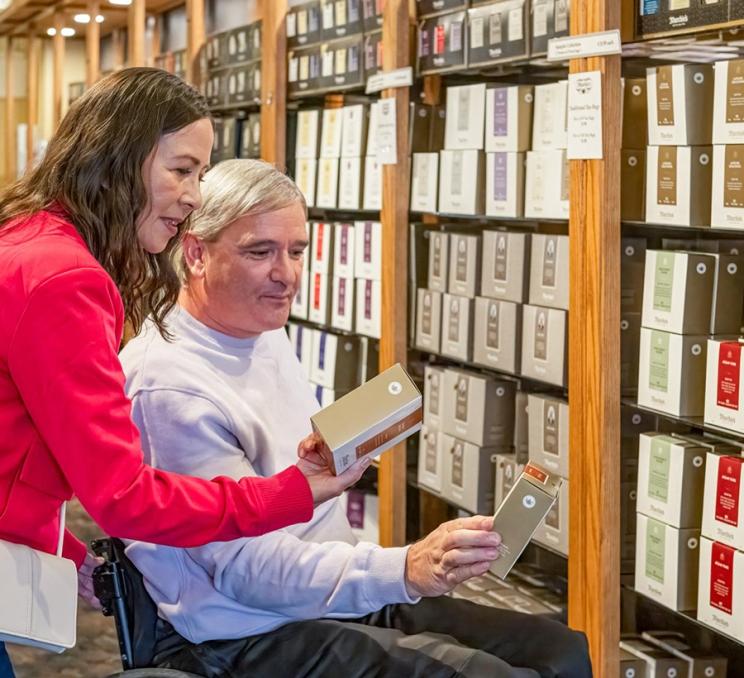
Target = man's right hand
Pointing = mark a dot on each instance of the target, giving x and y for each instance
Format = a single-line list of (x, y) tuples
[(455, 551)]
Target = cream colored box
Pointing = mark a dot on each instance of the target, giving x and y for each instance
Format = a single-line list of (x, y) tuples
[(671, 477), (728, 102), (671, 373), (428, 320), (433, 396), (667, 561), (720, 601), (342, 304), (678, 185), (680, 104), (497, 334), (505, 184), (308, 123), (701, 664), (724, 379), (305, 173), (368, 244), (457, 327), (723, 499), (350, 184), (321, 247), (438, 272), (553, 531), (478, 408), (465, 115), (372, 184), (509, 118), (508, 469), (465, 263), (430, 462), (319, 309), (546, 185), (727, 199), (468, 474), (336, 361), (372, 128), (371, 419), (301, 302), (343, 249), (424, 182), (549, 121), (331, 131), (657, 662), (461, 189), (368, 303), (301, 338), (549, 271), (327, 192), (548, 433), (506, 265), (678, 291), (544, 344), (353, 131)]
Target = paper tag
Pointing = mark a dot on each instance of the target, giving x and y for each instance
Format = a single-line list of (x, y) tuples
[(401, 77), (387, 133), (540, 20), (516, 29), (655, 550), (590, 44), (477, 32), (658, 377), (658, 469), (585, 115)]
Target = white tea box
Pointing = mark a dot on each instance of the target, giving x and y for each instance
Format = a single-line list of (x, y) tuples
[(720, 601), (548, 433), (353, 131), (331, 131), (723, 518), (368, 304), (505, 184), (301, 302), (308, 124), (438, 272), (727, 198), (549, 271), (343, 249), (424, 182), (553, 531), (465, 115), (321, 247), (667, 560), (671, 373), (305, 172), (544, 344), (506, 265), (497, 334), (368, 243), (657, 662), (372, 184), (428, 320), (549, 117), (509, 118), (468, 474), (546, 185), (457, 327), (335, 361), (728, 102), (301, 338), (465, 262), (327, 192), (508, 469), (433, 396), (350, 184), (342, 304), (724, 375), (461, 182), (430, 462), (372, 128), (319, 310)]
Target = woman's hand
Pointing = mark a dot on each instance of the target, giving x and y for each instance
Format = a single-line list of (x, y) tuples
[(314, 466), (85, 580)]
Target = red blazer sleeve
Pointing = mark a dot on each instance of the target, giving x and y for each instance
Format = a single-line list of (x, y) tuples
[(63, 360)]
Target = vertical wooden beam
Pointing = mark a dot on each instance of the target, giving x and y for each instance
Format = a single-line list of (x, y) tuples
[(274, 82), (594, 365), (117, 40), (92, 44), (196, 34), (58, 79), (10, 131), (33, 53), (157, 31), (398, 17), (136, 33)]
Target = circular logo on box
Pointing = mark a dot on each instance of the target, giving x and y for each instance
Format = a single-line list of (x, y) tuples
[(528, 501), (697, 349), (636, 89), (500, 391), (624, 325), (698, 78), (633, 495), (732, 268), (672, 673), (630, 250), (710, 671), (632, 161), (692, 543), (704, 159), (630, 673), (697, 462), (528, 98), (636, 419), (395, 388), (348, 346)]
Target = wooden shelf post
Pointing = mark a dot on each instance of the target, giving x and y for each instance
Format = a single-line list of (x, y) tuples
[(274, 82), (398, 19), (92, 45), (196, 35), (594, 364), (136, 33), (33, 53), (58, 44), (10, 132)]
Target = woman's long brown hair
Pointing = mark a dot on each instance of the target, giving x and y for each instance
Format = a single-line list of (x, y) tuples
[(92, 170)]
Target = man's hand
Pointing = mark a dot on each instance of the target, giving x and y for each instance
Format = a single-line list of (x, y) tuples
[(85, 580), (454, 552), (323, 484)]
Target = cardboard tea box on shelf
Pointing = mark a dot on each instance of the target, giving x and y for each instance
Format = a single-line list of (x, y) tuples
[(350, 183), (342, 303), (546, 185), (438, 270), (331, 133), (301, 302), (508, 469), (630, 341), (728, 102), (430, 462), (699, 662), (721, 589), (553, 531), (724, 404), (728, 292), (727, 198), (428, 320), (461, 189), (667, 560), (521, 426), (549, 116), (468, 474), (424, 182), (497, 334), (548, 433), (657, 662), (465, 263), (549, 20), (680, 105), (308, 128), (441, 42), (353, 130), (457, 327), (632, 274), (465, 117), (505, 184), (305, 173), (549, 271), (508, 126), (544, 344), (336, 361), (368, 304), (506, 265), (497, 32), (319, 308), (372, 184), (633, 184), (433, 396), (322, 247), (301, 337), (723, 518), (368, 246), (343, 249)]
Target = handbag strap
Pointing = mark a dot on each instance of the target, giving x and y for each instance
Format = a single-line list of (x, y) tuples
[(61, 538)]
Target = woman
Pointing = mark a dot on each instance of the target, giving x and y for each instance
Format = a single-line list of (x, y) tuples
[(84, 247)]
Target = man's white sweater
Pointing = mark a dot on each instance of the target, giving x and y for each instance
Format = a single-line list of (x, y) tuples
[(209, 404)]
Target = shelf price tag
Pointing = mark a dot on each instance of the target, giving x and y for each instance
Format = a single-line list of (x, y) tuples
[(401, 77), (581, 46), (387, 133), (585, 116)]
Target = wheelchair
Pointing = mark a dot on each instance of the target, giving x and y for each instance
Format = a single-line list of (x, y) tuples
[(119, 587)]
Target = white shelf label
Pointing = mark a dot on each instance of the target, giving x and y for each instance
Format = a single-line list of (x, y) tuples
[(581, 46)]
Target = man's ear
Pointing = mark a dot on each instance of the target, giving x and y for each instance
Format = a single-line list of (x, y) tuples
[(194, 255)]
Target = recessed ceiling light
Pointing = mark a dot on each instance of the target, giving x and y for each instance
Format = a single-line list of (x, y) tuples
[(81, 18), (120, 2), (67, 32), (99, 19), (51, 32)]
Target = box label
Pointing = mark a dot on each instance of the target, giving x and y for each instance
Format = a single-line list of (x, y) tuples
[(722, 577), (541, 336), (551, 426), (434, 393), (344, 253), (461, 402), (500, 258), (367, 243), (454, 321), (492, 326), (536, 473), (368, 300), (655, 547), (733, 176), (664, 96), (658, 377), (437, 261), (494, 29), (729, 371), (341, 307), (457, 464), (463, 109), (457, 172), (431, 457), (500, 177), (316, 291), (500, 112), (426, 314), (461, 264), (561, 16), (322, 352), (666, 183), (658, 469), (565, 179), (550, 256), (392, 431), (727, 490), (735, 92), (663, 281)]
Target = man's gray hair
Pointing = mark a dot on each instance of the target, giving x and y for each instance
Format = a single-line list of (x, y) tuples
[(233, 189)]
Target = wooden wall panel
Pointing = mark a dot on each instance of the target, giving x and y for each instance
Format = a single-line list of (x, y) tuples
[(92, 45), (274, 82)]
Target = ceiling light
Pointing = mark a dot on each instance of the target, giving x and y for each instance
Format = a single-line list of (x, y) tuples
[(99, 19), (67, 32), (81, 18), (120, 2), (51, 32)]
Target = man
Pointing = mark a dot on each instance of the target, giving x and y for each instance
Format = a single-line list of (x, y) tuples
[(228, 397)]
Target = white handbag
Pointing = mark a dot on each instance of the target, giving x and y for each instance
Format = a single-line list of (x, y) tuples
[(38, 595)]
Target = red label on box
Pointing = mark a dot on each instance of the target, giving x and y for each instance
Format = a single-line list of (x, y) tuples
[(727, 492), (536, 473), (319, 247), (722, 577), (439, 39), (316, 292), (729, 362), (392, 431)]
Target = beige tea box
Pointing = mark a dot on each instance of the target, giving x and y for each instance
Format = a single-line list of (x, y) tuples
[(657, 662), (424, 182), (438, 275), (509, 118), (430, 462), (548, 433), (301, 302), (342, 304), (505, 184), (497, 333), (428, 320), (461, 189), (549, 271), (322, 247), (368, 308), (350, 183), (465, 263), (308, 126), (544, 344), (457, 327), (506, 265), (327, 191), (468, 474), (546, 185), (728, 102), (550, 116), (700, 664), (331, 133), (336, 361), (464, 123), (368, 246), (319, 309), (343, 250), (553, 531), (433, 396)]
